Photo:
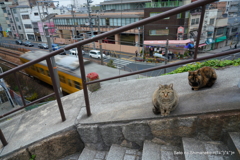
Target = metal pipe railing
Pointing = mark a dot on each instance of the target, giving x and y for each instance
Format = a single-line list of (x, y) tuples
[(110, 33)]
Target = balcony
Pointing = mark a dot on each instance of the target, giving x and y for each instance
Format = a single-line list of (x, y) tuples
[(163, 4)]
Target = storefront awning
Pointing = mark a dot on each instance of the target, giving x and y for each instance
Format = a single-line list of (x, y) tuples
[(220, 39), (170, 42)]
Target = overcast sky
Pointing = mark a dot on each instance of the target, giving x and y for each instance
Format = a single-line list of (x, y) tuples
[(66, 2)]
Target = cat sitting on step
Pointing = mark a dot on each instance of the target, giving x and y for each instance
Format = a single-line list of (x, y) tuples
[(203, 77), (164, 99)]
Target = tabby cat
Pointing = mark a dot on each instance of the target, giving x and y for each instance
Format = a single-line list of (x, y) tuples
[(164, 99), (203, 77)]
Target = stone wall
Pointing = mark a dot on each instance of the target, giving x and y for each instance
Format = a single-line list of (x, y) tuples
[(161, 131), (54, 147)]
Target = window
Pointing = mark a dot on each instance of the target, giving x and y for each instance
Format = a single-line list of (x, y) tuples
[(36, 14), (37, 69), (13, 28), (4, 11), (25, 16), (193, 22), (220, 31), (187, 14), (234, 29), (28, 26), (179, 15), (155, 13), (209, 34), (33, 68), (77, 85), (30, 36), (42, 71), (16, 18), (62, 78), (158, 32), (212, 21), (19, 27), (14, 11), (197, 20), (9, 25), (69, 82), (48, 74)]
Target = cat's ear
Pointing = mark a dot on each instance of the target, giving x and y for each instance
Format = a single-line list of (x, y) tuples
[(160, 86), (170, 86)]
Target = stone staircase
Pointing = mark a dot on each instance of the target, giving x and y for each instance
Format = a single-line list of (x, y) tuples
[(191, 149)]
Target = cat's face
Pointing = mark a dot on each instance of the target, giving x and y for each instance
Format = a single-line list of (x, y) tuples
[(194, 78), (166, 92)]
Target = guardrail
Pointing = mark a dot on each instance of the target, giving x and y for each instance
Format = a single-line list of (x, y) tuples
[(79, 45)]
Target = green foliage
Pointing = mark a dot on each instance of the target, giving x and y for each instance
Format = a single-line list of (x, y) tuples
[(32, 157), (32, 97), (110, 64), (211, 63)]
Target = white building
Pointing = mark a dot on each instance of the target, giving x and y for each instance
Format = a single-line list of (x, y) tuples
[(30, 18)]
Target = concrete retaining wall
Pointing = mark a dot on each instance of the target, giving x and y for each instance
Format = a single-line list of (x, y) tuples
[(162, 131)]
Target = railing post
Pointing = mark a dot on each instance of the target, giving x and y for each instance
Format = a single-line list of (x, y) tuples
[(4, 142), (83, 75), (20, 90), (57, 94), (199, 31)]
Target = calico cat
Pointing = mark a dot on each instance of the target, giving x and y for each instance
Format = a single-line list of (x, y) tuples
[(203, 77), (164, 99)]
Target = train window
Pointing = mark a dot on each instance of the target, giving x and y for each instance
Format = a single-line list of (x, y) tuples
[(69, 82), (42, 71), (62, 78), (33, 68), (48, 74), (37, 69), (77, 85)]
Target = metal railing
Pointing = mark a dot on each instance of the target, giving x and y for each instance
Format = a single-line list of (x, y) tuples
[(101, 36)]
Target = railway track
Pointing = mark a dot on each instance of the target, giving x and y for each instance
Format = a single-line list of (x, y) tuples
[(9, 53)]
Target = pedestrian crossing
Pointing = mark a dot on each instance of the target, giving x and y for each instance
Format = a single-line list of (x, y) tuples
[(119, 63)]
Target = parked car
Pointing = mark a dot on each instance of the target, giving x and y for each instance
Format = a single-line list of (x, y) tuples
[(19, 42), (96, 54), (29, 44), (159, 56), (55, 47), (43, 46), (74, 52)]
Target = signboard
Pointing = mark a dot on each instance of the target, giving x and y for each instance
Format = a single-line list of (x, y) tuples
[(180, 29)]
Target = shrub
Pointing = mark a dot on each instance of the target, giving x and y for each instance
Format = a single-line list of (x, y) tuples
[(211, 63)]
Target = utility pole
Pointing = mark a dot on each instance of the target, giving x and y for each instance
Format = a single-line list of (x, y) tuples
[(90, 19), (100, 40), (74, 32), (55, 72), (166, 55)]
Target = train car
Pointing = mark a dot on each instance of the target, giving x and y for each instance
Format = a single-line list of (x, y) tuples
[(69, 70)]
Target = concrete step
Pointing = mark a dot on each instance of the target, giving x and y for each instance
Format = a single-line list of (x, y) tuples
[(204, 150), (233, 142), (91, 154), (117, 152), (153, 151)]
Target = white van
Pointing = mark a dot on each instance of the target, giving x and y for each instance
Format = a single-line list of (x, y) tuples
[(96, 54), (74, 52)]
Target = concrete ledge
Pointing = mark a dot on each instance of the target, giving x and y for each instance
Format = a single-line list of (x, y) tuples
[(131, 100)]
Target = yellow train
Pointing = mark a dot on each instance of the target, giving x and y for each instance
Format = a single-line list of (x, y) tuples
[(68, 70)]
